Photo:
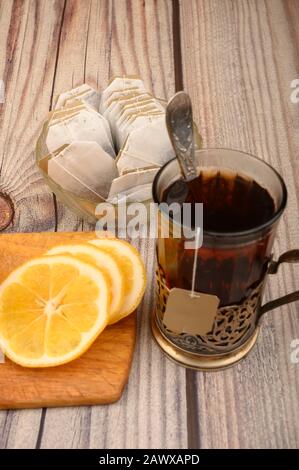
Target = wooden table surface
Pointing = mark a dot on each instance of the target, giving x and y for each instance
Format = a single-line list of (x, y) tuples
[(237, 59)]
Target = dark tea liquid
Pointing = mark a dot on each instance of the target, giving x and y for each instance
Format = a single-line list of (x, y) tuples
[(231, 203)]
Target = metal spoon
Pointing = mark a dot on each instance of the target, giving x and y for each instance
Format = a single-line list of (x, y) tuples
[(179, 121)]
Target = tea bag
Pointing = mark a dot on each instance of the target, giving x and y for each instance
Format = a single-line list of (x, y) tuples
[(117, 105), (105, 122), (120, 85), (109, 114), (147, 107), (66, 112), (119, 114), (84, 169), (78, 103), (85, 125), (115, 94), (130, 100), (145, 147), (136, 186), (72, 108), (83, 92), (136, 121), (126, 108)]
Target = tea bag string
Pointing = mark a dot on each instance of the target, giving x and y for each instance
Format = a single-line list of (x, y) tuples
[(197, 236)]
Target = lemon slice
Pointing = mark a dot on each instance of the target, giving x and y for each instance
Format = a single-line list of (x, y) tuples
[(132, 267), (51, 310), (106, 263)]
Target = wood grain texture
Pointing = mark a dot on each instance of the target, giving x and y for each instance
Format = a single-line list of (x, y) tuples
[(111, 48), (27, 65), (97, 377), (28, 44), (92, 42), (239, 59)]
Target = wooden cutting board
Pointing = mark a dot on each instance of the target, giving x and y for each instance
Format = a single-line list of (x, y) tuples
[(97, 377)]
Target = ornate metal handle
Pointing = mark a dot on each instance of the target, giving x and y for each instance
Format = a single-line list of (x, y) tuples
[(291, 256)]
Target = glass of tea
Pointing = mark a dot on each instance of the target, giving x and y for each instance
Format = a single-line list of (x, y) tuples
[(209, 297)]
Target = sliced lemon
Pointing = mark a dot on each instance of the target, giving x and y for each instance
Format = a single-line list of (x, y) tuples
[(132, 267), (107, 264), (51, 310)]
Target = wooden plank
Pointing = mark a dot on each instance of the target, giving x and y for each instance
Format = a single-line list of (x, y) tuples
[(19, 429), (129, 423), (239, 59), (99, 39), (29, 34), (27, 62)]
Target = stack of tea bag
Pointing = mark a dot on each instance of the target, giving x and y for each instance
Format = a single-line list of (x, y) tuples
[(137, 122), (84, 93), (87, 130), (80, 145), (78, 122)]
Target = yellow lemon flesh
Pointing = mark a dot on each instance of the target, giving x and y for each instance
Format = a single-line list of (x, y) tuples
[(132, 267), (51, 310), (107, 264)]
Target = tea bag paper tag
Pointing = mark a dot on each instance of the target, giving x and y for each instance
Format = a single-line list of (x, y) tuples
[(194, 314)]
